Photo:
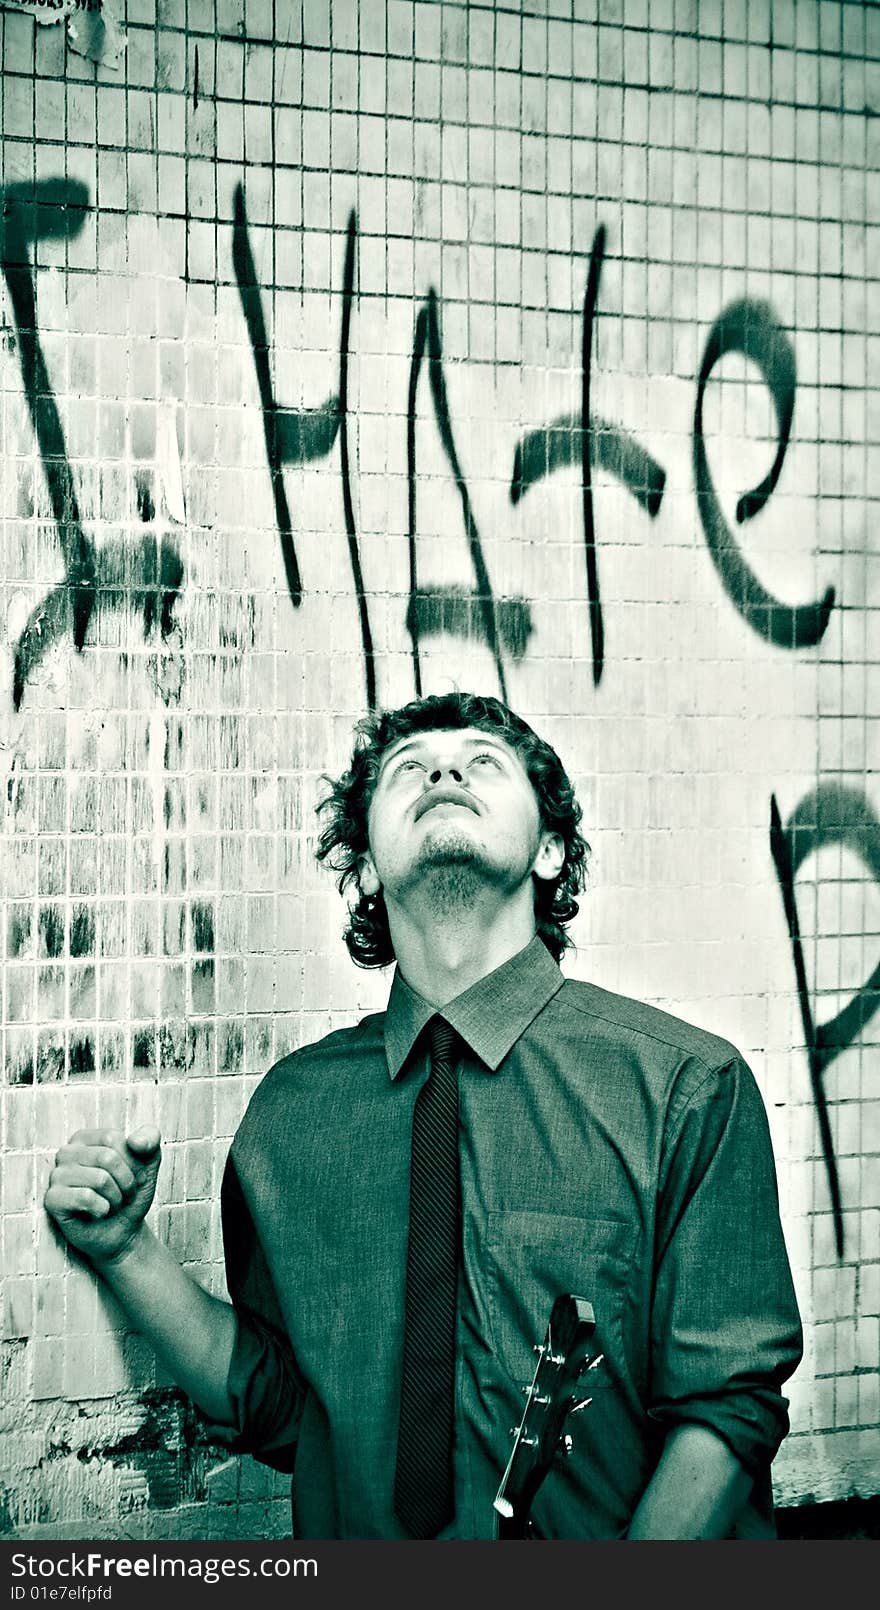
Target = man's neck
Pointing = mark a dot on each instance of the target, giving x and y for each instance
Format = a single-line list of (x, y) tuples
[(444, 956)]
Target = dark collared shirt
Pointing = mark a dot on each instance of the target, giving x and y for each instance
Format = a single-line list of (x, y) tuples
[(607, 1150)]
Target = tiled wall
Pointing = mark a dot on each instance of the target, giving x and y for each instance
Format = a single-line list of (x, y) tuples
[(295, 305)]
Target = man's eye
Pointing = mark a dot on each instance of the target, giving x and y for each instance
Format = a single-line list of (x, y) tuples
[(486, 757), (410, 765)]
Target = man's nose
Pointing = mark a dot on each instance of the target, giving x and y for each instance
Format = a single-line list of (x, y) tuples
[(448, 773)]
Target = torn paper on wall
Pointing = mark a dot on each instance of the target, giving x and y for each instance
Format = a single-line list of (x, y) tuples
[(92, 25), (97, 34)]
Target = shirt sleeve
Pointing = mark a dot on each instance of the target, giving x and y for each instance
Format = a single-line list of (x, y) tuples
[(725, 1329), (264, 1383)]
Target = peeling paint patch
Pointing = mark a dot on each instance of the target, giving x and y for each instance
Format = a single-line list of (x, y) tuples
[(201, 1038), (51, 931), (82, 1058), (233, 1049), (18, 934), (50, 1060), (202, 926), (21, 1070), (143, 1049), (174, 754), (145, 506), (203, 993), (82, 931), (174, 1052)]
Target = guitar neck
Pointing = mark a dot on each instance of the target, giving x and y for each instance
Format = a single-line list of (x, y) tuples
[(553, 1394)]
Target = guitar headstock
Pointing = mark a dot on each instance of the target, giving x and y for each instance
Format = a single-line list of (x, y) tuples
[(556, 1391)]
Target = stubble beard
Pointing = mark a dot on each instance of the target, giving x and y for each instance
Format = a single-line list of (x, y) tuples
[(451, 871)]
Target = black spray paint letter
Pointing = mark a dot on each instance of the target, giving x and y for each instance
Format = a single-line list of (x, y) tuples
[(591, 297), (298, 436), (561, 443), (347, 502), (292, 437), (586, 441), (753, 329), (831, 814), (456, 610), (50, 209)]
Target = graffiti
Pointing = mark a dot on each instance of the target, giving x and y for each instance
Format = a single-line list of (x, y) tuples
[(752, 329), (98, 579), (297, 436), (832, 814), (453, 609), (51, 209), (292, 437), (560, 444), (415, 367), (594, 602), (348, 505), (585, 441)]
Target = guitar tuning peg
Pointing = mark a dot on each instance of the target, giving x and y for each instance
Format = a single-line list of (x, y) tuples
[(584, 1404), (566, 1445), (539, 1348)]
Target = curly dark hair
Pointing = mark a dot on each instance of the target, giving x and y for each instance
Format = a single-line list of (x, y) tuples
[(343, 841)]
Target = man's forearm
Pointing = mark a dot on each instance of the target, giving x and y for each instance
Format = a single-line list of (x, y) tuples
[(193, 1333), (697, 1490)]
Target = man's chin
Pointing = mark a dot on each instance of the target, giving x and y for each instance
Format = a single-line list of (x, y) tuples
[(448, 868), (447, 845)]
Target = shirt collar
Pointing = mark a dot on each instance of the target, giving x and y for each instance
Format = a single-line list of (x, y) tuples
[(490, 1016)]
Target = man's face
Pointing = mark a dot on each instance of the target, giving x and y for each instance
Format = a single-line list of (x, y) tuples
[(454, 804)]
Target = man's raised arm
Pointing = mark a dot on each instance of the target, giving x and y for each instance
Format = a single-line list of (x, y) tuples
[(99, 1192)]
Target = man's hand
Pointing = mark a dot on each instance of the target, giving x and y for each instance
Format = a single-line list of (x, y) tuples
[(100, 1189)]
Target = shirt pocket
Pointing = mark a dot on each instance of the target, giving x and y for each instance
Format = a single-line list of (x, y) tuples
[(533, 1258)]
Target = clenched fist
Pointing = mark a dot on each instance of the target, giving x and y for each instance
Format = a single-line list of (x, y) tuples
[(101, 1188)]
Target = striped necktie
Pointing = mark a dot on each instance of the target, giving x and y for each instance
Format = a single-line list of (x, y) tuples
[(423, 1491)]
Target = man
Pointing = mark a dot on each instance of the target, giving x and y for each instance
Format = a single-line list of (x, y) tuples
[(395, 1236)]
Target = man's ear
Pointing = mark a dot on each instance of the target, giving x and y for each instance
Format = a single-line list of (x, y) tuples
[(550, 858), (368, 878)]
